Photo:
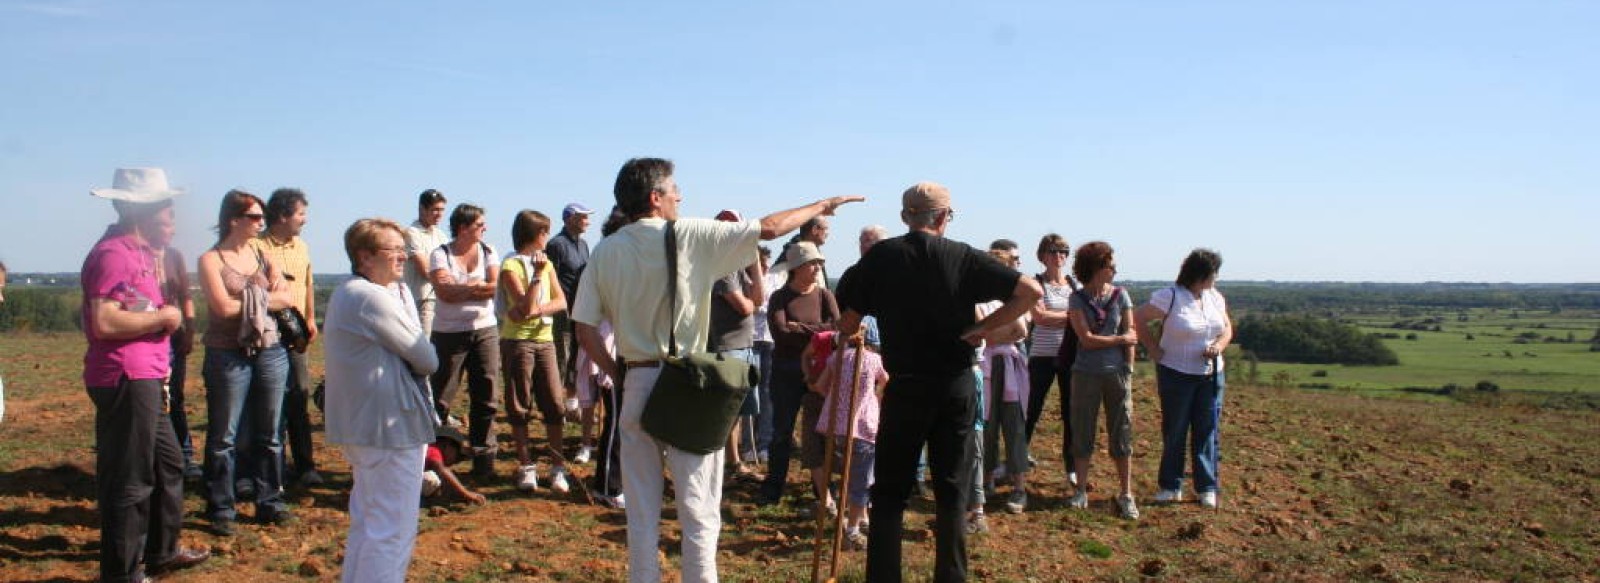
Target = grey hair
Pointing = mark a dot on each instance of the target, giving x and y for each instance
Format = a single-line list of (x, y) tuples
[(922, 219)]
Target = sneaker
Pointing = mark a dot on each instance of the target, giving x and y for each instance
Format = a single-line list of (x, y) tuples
[(558, 480), (1169, 496), (527, 478), (617, 502), (584, 452), (856, 540), (1208, 499), (311, 478), (1018, 502), (977, 523), (222, 527), (1079, 500), (276, 517), (1129, 509)]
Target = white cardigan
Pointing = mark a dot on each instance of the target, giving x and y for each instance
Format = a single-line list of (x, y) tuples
[(377, 364)]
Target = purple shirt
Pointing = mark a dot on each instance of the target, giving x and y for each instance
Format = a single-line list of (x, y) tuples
[(122, 268)]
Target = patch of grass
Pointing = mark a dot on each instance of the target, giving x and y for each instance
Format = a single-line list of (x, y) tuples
[(1094, 549)]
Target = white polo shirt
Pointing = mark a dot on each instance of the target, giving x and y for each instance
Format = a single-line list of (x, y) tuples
[(625, 282)]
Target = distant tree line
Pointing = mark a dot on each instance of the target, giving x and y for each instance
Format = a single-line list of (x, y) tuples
[(31, 309), (1311, 340)]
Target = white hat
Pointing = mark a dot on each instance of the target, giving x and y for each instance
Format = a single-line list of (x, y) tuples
[(798, 254), (138, 185)]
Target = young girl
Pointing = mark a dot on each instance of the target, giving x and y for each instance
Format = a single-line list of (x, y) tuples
[(436, 474), (840, 380)]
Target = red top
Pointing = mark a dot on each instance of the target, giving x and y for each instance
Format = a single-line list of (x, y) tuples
[(433, 455), (123, 268)]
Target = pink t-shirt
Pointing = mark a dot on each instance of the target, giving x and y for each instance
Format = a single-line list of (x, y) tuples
[(866, 428), (122, 268)]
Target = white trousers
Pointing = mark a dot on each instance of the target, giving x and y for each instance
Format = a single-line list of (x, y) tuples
[(383, 512), (697, 478)]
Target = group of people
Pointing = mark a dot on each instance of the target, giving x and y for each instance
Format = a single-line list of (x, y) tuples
[(957, 352)]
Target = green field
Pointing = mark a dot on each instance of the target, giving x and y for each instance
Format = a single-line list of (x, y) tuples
[(1516, 350)]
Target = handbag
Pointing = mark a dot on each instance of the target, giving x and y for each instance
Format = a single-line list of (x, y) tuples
[(697, 397), (292, 328)]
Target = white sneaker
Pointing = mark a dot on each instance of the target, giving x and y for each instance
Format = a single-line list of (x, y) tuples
[(583, 455), (1208, 499), (617, 502), (1169, 496), (1130, 509), (558, 480), (1079, 500), (527, 478)]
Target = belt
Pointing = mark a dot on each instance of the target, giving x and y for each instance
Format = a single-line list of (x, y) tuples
[(642, 364)]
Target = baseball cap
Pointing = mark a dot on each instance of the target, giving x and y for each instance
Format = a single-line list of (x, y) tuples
[(925, 196), (575, 209)]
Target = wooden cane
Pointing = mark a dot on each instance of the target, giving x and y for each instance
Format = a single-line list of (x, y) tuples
[(827, 472), (856, 387)]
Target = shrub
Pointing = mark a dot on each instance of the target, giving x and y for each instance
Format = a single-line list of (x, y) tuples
[(1319, 373), (1311, 340)]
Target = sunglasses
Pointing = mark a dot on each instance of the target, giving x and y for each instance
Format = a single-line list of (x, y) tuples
[(1060, 251), (253, 216)]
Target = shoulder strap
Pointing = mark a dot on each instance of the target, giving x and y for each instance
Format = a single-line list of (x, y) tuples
[(671, 240), (1173, 301)]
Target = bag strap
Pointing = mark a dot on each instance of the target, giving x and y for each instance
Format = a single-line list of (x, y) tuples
[(1101, 313), (671, 240)]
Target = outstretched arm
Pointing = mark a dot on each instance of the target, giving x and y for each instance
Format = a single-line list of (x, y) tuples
[(781, 223)]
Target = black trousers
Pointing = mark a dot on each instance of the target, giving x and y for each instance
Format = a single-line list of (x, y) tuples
[(608, 466), (941, 412), (296, 429), (138, 478)]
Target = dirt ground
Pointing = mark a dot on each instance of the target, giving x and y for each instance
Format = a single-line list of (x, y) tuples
[(1318, 486)]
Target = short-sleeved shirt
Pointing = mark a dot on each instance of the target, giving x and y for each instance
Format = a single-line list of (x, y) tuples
[(817, 310), (422, 241), (771, 282), (729, 330), (626, 282), (538, 329), (570, 255), (1108, 311), (1047, 339), (866, 427), (469, 315), (922, 288), (294, 261), (123, 269), (1191, 324)]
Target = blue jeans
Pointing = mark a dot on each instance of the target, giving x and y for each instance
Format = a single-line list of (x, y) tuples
[(763, 352), (238, 387), (1191, 410), (788, 392)]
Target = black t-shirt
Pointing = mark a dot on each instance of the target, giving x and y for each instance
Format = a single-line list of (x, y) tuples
[(570, 255), (923, 289)]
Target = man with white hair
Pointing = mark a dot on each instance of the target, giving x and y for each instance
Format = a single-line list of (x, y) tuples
[(127, 320)]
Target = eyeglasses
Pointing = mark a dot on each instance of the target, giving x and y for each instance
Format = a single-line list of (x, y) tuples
[(950, 215), (1060, 251), (253, 216)]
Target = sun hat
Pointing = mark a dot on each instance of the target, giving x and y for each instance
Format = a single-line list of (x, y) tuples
[(798, 254), (575, 209), (138, 185), (450, 433)]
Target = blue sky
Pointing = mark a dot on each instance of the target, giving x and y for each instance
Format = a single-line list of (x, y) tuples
[(1355, 141)]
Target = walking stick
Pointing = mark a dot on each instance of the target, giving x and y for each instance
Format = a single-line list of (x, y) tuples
[(856, 386), (827, 469)]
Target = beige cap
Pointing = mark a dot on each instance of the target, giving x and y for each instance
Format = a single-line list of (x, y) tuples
[(925, 196)]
